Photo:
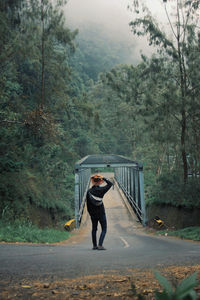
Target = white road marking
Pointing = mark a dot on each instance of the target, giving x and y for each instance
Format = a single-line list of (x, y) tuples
[(126, 244)]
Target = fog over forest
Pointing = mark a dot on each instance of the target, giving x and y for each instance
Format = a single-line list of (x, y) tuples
[(113, 17)]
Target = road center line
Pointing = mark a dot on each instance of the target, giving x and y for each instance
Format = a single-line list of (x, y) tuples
[(126, 244)]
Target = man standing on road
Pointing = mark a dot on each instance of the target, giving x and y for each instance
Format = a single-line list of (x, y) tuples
[(96, 208)]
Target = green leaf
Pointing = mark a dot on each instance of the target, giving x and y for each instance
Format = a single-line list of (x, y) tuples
[(191, 295), (186, 286), (164, 282)]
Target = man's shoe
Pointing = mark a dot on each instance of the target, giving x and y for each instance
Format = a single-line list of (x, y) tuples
[(95, 248), (101, 248)]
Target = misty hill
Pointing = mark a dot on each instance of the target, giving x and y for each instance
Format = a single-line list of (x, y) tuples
[(98, 51)]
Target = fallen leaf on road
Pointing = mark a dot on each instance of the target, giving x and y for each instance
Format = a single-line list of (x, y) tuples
[(83, 287), (120, 280), (106, 285)]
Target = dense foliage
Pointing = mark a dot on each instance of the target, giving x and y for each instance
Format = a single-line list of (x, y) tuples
[(45, 119), (61, 99)]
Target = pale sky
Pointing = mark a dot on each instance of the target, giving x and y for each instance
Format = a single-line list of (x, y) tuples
[(106, 10), (113, 16)]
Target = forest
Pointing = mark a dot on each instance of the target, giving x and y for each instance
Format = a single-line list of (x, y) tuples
[(62, 98)]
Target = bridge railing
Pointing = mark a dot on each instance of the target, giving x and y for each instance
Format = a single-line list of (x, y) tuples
[(128, 173), (130, 180), (82, 181)]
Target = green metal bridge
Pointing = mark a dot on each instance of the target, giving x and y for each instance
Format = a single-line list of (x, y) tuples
[(127, 173)]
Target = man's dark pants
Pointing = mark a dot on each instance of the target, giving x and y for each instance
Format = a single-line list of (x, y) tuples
[(102, 220)]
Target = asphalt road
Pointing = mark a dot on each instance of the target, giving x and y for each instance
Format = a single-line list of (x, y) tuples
[(127, 247)]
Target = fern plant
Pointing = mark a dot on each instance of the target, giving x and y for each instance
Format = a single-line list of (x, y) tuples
[(183, 291)]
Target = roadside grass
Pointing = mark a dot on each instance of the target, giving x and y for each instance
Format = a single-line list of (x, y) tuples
[(26, 232), (191, 233)]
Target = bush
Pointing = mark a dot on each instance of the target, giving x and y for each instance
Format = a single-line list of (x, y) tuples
[(169, 189), (21, 190), (26, 232), (183, 291), (191, 233)]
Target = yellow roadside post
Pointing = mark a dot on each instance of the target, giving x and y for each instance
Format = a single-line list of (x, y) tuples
[(159, 222), (70, 225)]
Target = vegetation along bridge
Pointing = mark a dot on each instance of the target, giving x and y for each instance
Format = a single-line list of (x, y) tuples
[(127, 173)]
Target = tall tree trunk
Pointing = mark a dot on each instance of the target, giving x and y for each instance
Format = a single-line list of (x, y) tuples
[(43, 59), (183, 97), (161, 161), (183, 151)]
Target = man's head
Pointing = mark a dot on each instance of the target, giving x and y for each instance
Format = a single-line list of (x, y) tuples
[(97, 179)]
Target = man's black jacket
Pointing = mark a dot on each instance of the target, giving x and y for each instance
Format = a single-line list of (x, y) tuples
[(98, 191)]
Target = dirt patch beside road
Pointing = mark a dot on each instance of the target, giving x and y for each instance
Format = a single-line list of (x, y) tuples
[(107, 285)]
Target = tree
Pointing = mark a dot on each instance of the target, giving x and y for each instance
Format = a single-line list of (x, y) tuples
[(47, 41), (37, 99), (183, 28), (9, 30)]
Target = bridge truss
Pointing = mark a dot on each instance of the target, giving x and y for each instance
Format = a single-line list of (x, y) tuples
[(128, 174)]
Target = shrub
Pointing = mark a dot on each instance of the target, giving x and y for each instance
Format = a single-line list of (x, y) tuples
[(184, 291), (169, 189), (26, 232)]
